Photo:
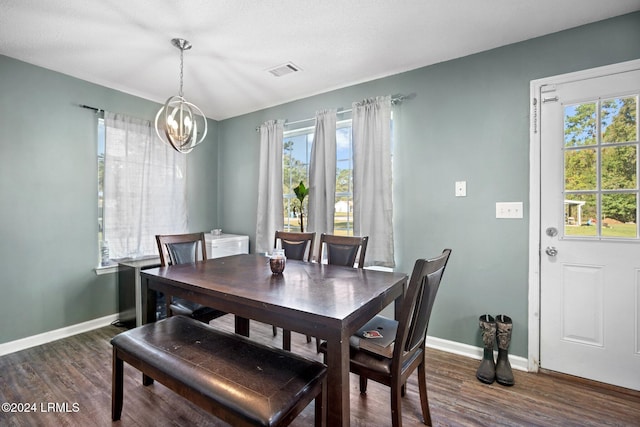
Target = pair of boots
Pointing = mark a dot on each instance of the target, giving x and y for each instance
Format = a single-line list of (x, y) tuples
[(500, 371)]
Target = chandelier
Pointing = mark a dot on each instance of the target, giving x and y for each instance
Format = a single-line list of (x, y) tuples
[(178, 121)]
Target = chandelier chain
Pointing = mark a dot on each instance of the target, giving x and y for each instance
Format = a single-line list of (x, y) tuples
[(181, 70)]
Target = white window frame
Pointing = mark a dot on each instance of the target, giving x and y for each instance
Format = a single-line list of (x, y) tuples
[(290, 196)]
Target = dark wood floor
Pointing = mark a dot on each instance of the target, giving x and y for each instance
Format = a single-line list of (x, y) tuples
[(68, 383)]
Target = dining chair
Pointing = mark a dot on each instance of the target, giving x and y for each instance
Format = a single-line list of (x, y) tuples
[(347, 251), (181, 249), (298, 246), (343, 250), (392, 362)]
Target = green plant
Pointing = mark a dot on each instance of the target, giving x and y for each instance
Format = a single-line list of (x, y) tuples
[(301, 192)]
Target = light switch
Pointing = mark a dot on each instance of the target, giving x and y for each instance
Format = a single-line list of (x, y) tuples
[(461, 188)]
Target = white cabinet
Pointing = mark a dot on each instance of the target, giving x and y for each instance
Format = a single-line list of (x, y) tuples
[(226, 245)]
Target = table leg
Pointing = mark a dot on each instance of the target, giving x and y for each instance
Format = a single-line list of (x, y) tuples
[(338, 382), (148, 302), (242, 326), (397, 306), (148, 314)]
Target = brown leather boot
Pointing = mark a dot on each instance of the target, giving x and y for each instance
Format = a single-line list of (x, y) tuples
[(487, 370), (504, 374)]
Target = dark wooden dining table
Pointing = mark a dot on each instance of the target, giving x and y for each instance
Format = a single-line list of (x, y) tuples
[(324, 301)]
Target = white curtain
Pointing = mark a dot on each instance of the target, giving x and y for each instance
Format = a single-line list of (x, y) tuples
[(270, 216), (322, 174), (144, 188), (372, 184)]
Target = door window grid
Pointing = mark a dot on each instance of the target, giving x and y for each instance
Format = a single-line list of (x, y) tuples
[(601, 168)]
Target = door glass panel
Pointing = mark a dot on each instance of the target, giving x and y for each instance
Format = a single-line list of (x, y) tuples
[(580, 125), (580, 211), (601, 167), (619, 167), (580, 169), (619, 213), (619, 120)]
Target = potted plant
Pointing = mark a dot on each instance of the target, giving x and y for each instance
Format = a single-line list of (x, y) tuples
[(301, 192)]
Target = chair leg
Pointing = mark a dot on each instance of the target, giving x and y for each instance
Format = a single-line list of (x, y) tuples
[(308, 339), (167, 303), (275, 330), (286, 340), (146, 380), (116, 386), (321, 406), (318, 345), (396, 406), (363, 384), (424, 398)]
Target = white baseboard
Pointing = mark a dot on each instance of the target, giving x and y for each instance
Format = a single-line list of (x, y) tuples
[(517, 362), (32, 341)]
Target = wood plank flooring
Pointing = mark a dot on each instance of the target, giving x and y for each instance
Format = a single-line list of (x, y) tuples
[(68, 383)]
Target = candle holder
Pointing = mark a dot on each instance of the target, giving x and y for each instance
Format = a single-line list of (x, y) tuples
[(277, 261)]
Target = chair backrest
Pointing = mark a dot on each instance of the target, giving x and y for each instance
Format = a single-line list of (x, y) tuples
[(181, 248), (417, 305), (296, 245), (343, 250)]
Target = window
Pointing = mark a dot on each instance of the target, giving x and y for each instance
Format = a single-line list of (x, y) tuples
[(295, 168), (343, 214), (600, 168), (103, 252), (141, 189), (296, 158)]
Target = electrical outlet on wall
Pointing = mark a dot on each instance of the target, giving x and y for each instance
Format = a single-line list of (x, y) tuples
[(511, 210), (461, 188)]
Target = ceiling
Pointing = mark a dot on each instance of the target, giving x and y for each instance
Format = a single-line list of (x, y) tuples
[(125, 45)]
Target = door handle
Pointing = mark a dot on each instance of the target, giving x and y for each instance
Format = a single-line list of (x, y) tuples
[(551, 251)]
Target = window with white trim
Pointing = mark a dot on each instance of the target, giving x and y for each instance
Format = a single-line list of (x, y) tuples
[(296, 157)]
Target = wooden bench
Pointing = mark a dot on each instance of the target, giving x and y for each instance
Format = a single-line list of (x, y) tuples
[(235, 379)]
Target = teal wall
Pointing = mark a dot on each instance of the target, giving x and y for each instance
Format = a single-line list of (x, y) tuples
[(48, 198), (469, 121)]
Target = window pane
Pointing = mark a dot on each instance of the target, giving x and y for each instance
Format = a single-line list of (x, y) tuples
[(618, 120), (103, 248), (343, 214), (296, 159), (580, 125), (619, 212), (296, 155), (579, 215), (580, 169), (619, 167)]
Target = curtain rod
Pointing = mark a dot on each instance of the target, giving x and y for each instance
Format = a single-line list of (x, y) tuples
[(396, 99), (96, 110)]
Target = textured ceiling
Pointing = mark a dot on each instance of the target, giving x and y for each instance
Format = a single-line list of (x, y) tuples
[(125, 45)]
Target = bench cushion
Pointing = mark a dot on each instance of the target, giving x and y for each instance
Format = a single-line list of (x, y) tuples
[(256, 383)]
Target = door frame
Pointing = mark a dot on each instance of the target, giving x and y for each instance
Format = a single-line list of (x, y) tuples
[(536, 95)]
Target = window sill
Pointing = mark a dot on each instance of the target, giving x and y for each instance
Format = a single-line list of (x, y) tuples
[(106, 269), (113, 265)]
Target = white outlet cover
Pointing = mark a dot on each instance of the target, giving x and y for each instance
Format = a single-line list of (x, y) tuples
[(461, 188), (510, 210)]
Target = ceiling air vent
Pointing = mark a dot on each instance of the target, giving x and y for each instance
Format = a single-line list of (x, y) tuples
[(282, 70)]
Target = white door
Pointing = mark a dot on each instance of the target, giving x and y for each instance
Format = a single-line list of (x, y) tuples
[(590, 243)]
